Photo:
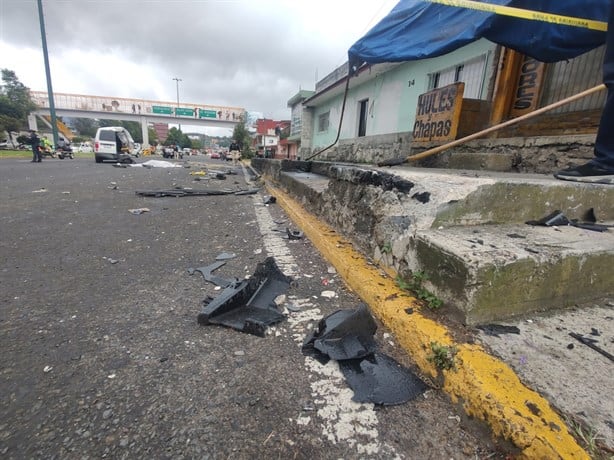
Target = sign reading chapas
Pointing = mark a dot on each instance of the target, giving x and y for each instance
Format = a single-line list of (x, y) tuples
[(438, 113)]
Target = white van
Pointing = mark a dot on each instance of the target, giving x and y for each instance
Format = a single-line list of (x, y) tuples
[(113, 143)]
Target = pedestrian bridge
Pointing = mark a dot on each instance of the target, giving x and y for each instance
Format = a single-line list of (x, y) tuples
[(141, 110)]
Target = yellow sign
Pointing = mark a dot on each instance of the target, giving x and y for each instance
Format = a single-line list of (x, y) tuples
[(437, 114)]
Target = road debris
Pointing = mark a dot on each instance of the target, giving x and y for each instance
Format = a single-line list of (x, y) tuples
[(347, 336), (558, 219), (180, 191), (496, 329), (225, 256), (248, 305), (268, 199), (591, 343), (138, 211), (294, 234)]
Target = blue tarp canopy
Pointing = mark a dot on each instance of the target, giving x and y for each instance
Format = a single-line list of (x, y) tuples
[(419, 29)]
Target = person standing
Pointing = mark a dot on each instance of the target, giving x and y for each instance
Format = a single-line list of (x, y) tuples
[(235, 152), (35, 142), (600, 169)]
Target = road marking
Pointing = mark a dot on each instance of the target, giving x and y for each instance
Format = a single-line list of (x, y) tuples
[(342, 420)]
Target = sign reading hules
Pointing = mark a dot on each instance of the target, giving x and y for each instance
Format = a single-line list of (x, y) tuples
[(438, 113)]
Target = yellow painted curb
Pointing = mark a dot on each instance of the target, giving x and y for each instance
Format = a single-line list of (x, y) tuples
[(487, 387)]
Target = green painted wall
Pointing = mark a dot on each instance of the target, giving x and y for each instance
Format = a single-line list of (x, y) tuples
[(392, 101)]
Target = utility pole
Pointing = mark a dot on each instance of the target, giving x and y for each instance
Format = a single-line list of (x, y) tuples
[(54, 126), (177, 80)]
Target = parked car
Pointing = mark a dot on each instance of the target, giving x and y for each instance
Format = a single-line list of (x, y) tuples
[(215, 155), (113, 143), (7, 145)]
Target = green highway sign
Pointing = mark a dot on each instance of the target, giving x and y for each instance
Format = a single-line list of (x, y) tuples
[(179, 111), (207, 113), (162, 110)]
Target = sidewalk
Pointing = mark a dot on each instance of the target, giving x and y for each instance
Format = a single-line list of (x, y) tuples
[(527, 386)]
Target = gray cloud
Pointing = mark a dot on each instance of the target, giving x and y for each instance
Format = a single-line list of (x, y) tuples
[(253, 54)]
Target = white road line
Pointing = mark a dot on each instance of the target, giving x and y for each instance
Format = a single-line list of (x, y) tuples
[(342, 420)]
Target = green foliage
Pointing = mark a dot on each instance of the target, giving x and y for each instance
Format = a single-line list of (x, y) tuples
[(196, 144), (386, 248), (416, 286), (176, 136), (85, 127), (153, 136), (442, 356), (15, 103), (242, 136)]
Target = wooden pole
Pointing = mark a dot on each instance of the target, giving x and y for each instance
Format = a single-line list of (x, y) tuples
[(462, 140)]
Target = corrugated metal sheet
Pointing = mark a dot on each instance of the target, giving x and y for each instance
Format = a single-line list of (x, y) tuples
[(566, 78)]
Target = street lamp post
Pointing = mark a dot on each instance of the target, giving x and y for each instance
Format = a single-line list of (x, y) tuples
[(177, 80)]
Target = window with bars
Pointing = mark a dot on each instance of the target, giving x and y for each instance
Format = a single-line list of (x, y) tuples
[(470, 72)]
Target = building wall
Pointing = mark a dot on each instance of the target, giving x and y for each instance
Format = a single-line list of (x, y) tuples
[(392, 96)]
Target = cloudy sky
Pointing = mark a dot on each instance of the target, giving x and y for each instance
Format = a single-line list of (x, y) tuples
[(254, 54)]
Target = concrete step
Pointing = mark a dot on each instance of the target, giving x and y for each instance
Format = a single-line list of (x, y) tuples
[(466, 230)]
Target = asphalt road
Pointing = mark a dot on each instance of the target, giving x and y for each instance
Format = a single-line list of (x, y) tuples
[(102, 356)]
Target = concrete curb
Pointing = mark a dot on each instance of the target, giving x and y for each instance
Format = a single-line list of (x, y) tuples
[(487, 387)]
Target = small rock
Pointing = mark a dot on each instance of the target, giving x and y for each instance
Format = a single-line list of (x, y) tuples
[(47, 369), (239, 353), (107, 414), (123, 442), (332, 270), (280, 300)]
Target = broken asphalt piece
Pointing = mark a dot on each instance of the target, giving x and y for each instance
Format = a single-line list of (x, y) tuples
[(225, 256), (138, 211), (248, 306), (347, 336), (591, 343), (344, 334), (179, 192), (379, 379), (496, 329), (207, 273), (294, 234), (268, 199)]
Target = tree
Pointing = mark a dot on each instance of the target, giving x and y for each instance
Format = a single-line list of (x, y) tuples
[(85, 126), (15, 103), (176, 136), (241, 135), (133, 127)]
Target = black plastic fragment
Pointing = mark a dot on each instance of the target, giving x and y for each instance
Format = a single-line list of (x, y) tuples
[(268, 199), (294, 234), (591, 343), (248, 306), (555, 218), (207, 273), (423, 197), (496, 329), (344, 334), (379, 379), (180, 192), (347, 336)]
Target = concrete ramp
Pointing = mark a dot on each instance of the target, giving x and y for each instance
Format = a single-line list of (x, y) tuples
[(467, 231)]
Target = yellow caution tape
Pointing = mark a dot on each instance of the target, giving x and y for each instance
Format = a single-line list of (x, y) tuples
[(526, 14)]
